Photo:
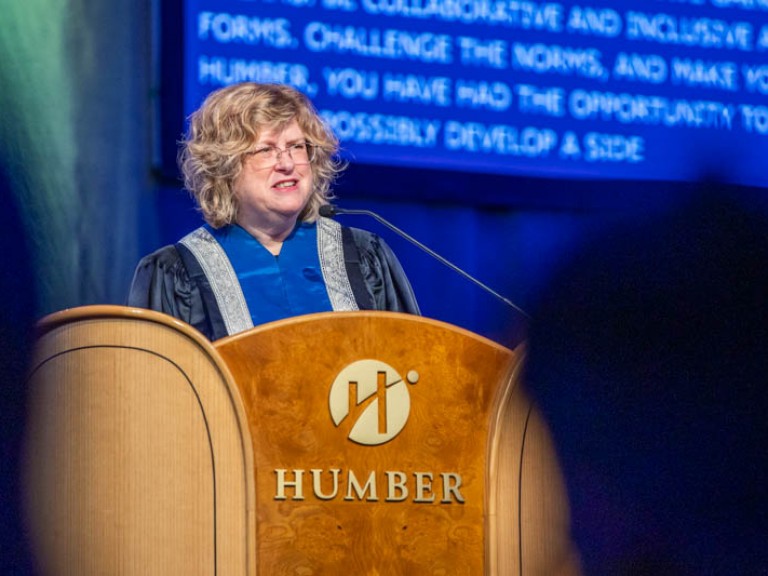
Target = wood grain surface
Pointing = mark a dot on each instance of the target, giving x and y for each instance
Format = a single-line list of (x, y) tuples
[(468, 417), (137, 455), (150, 450)]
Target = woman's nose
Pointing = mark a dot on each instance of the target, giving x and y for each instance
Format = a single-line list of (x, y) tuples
[(284, 159)]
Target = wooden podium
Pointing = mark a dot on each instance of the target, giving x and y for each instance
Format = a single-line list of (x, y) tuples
[(360, 443)]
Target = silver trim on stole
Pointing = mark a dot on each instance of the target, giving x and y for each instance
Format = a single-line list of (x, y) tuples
[(222, 278), (330, 250)]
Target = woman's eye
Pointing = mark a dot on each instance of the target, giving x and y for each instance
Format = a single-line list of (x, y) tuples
[(266, 151)]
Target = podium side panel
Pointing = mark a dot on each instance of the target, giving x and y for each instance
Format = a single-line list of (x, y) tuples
[(135, 459), (528, 507)]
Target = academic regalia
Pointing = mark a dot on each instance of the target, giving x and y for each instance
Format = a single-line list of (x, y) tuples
[(223, 282)]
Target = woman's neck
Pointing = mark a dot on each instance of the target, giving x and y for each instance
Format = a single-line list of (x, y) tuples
[(270, 236)]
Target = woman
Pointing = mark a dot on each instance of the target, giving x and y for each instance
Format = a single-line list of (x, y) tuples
[(260, 162)]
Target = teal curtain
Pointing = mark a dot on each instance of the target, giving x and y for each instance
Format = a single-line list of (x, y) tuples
[(74, 140)]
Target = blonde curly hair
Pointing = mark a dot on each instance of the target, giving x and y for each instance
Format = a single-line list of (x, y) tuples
[(226, 128)]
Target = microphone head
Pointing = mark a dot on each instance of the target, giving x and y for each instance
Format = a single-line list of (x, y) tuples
[(327, 211)]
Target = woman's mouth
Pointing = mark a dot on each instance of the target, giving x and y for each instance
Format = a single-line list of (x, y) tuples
[(286, 184)]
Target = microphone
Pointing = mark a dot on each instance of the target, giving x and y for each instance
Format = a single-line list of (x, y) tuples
[(329, 211)]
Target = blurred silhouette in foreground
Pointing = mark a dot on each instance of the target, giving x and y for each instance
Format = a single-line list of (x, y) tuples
[(17, 314), (648, 356)]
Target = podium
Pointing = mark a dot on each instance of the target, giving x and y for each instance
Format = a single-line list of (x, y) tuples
[(365, 443)]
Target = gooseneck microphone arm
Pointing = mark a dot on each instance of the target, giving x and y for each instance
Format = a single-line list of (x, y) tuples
[(328, 211)]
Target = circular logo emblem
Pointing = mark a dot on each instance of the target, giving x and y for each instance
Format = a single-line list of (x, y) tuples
[(376, 396)]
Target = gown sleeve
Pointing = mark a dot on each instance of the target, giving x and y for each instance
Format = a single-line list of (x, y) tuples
[(383, 277), (162, 282)]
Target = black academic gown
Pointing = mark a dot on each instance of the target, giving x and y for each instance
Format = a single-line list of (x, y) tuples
[(172, 281)]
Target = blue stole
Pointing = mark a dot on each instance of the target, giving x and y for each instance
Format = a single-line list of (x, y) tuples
[(276, 287)]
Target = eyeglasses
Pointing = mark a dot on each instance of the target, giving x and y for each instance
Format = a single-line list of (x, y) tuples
[(300, 153)]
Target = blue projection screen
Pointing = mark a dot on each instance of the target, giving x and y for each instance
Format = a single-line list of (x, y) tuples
[(641, 90)]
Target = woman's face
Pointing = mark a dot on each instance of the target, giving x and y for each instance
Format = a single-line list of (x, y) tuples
[(273, 191)]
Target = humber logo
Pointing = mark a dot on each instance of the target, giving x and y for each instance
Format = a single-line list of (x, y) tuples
[(375, 397), (374, 402)]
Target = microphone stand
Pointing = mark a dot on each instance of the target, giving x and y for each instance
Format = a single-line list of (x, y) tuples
[(329, 211)]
